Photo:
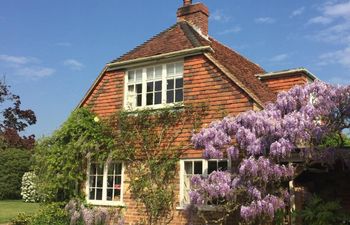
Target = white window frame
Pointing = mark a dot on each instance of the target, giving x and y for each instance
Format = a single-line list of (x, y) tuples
[(104, 200), (204, 174), (144, 81)]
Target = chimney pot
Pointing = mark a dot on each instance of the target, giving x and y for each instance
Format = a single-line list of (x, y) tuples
[(187, 2)]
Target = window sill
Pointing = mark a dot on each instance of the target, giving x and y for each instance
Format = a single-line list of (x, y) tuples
[(208, 208), (106, 203), (156, 107)]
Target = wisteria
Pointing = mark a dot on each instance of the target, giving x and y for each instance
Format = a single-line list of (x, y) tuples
[(259, 144)]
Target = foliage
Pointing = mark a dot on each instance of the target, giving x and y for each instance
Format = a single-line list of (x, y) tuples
[(53, 214), (21, 219), (29, 191), (61, 160), (81, 214), (257, 142), (319, 212), (11, 208), (14, 121), (336, 140), (150, 143), (13, 164)]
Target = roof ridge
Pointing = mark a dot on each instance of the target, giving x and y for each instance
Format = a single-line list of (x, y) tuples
[(189, 34), (236, 52), (147, 41)]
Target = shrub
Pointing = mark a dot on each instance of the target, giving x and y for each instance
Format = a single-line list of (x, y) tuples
[(13, 164), (28, 190), (319, 212), (21, 219), (53, 214)]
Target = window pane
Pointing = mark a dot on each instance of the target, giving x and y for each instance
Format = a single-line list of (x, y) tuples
[(170, 84), (158, 86), (131, 76), (139, 100), (212, 166), (118, 180), (179, 68), (92, 169), (99, 194), (158, 72), (179, 95), (150, 72), (110, 181), (222, 165), (116, 195), (99, 181), (92, 181), (131, 88), (149, 99), (188, 167), (179, 83), (158, 98), (170, 96), (138, 75), (92, 194), (118, 168), (139, 88), (149, 86), (170, 69), (109, 194), (110, 169), (198, 167)]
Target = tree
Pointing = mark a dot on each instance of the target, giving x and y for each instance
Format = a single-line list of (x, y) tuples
[(14, 120), (260, 144)]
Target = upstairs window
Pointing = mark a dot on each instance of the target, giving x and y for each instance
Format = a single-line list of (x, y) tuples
[(154, 86)]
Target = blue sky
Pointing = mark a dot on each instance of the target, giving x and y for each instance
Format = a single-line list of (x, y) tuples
[(51, 51)]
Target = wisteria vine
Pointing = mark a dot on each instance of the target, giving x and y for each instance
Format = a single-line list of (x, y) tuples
[(259, 143)]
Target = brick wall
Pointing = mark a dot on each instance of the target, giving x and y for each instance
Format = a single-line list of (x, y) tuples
[(285, 82), (203, 83)]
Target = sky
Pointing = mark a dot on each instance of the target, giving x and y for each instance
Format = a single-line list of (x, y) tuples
[(52, 51)]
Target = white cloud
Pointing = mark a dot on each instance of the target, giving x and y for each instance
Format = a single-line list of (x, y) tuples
[(220, 16), (17, 60), (338, 10), (35, 72), (73, 64), (320, 20), (341, 57), (235, 29), (298, 12), (279, 58), (265, 20)]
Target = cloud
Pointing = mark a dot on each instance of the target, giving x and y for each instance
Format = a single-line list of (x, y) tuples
[(64, 44), (265, 20), (73, 64), (219, 16), (26, 66), (235, 29), (297, 12), (35, 72), (320, 20), (341, 57), (17, 60), (338, 10), (279, 58)]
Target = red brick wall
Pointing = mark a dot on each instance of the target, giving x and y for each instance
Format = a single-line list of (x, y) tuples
[(203, 83), (285, 82)]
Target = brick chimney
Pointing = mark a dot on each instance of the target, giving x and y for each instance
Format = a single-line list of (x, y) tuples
[(196, 14)]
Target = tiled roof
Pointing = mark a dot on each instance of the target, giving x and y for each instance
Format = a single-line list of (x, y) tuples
[(182, 36)]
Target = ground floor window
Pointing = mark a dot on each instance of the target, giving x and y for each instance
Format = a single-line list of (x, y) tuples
[(105, 183), (191, 167)]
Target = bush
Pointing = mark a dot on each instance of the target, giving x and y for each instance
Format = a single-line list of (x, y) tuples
[(320, 212), (28, 190), (53, 214), (13, 164)]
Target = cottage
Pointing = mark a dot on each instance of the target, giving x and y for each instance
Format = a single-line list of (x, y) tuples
[(184, 65)]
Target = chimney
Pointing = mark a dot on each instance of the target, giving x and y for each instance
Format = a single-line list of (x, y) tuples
[(195, 14)]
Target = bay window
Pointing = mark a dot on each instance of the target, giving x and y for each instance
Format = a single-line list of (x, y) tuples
[(154, 86)]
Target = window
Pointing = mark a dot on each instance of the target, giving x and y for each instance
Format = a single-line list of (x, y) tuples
[(154, 86), (191, 167), (105, 183)]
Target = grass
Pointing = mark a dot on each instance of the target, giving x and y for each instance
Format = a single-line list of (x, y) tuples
[(10, 209)]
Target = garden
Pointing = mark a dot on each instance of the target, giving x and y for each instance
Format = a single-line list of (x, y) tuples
[(308, 123)]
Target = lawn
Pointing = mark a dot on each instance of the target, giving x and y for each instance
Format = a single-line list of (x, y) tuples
[(10, 209)]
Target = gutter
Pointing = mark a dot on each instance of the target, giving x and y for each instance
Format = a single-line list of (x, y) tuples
[(155, 58)]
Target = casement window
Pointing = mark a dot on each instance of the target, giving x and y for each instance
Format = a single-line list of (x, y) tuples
[(154, 86), (105, 183), (202, 167)]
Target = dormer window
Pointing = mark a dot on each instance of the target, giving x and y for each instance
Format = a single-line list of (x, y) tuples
[(154, 86)]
